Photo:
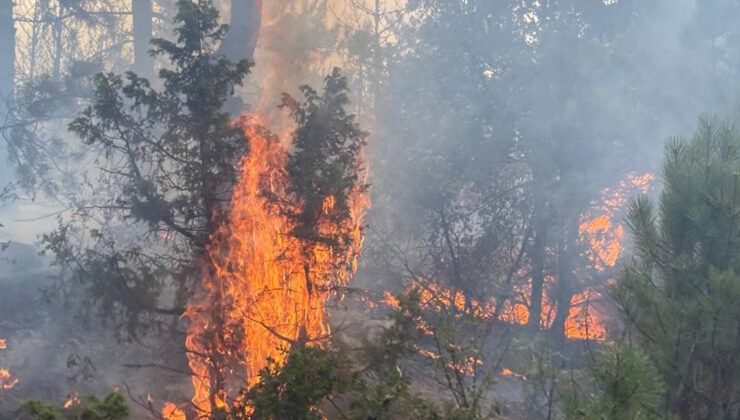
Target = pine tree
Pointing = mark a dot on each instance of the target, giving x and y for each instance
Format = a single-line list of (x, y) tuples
[(627, 384), (324, 179), (325, 165), (168, 161), (680, 293)]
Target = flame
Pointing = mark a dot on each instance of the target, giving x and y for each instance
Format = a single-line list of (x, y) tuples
[(584, 320), (255, 297), (7, 381), (603, 237), (597, 227), (73, 399), (509, 372), (171, 412)]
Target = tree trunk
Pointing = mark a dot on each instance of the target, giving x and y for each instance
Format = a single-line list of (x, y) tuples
[(538, 270), (566, 286), (563, 296), (142, 17), (240, 41), (7, 54), (57, 27)]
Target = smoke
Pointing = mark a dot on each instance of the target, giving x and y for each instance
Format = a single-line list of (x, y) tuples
[(648, 71)]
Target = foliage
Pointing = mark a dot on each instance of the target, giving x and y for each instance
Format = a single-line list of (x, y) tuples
[(384, 392), (113, 407), (542, 368), (167, 163), (372, 386), (392, 399), (34, 153), (295, 390), (325, 164), (629, 387), (680, 293)]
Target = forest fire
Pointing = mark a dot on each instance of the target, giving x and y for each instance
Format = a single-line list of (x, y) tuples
[(602, 237), (263, 290), (598, 228)]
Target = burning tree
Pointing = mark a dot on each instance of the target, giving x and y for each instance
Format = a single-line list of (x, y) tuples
[(325, 184), (290, 241), (167, 162)]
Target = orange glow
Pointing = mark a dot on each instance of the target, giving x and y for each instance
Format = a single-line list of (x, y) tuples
[(603, 239), (598, 228), (256, 297), (466, 367), (584, 321), (7, 381), (390, 300), (509, 372), (171, 412), (73, 399)]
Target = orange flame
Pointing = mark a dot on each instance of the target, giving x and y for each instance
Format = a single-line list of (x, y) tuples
[(509, 372), (72, 400), (171, 412), (597, 226), (7, 381), (603, 238), (255, 297)]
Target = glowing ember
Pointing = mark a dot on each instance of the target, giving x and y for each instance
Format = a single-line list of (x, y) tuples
[(171, 412), (255, 296)]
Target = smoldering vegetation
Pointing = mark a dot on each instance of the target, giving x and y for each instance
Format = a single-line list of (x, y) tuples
[(506, 260)]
